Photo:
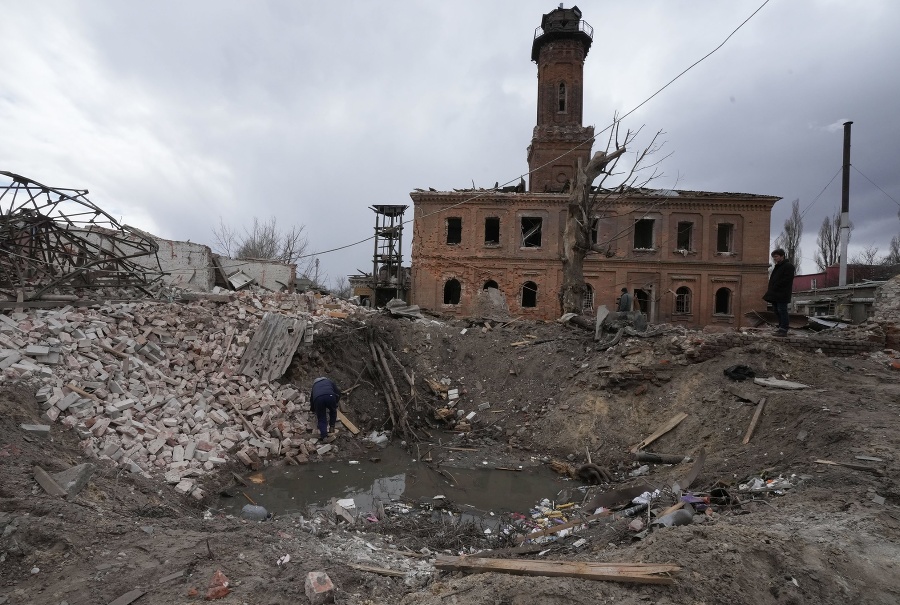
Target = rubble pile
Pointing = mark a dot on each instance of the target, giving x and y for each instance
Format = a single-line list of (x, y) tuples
[(154, 386)]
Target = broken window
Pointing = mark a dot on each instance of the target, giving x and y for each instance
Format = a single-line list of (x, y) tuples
[(491, 284), (684, 236), (643, 233), (587, 299), (562, 97), (682, 301), (452, 290), (531, 231), (529, 294), (723, 301), (725, 237), (454, 230), (492, 230)]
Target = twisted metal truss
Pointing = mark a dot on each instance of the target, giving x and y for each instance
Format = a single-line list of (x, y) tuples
[(57, 241)]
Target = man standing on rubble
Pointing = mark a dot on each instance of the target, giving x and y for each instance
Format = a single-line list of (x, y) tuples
[(781, 283), (323, 400), (624, 302)]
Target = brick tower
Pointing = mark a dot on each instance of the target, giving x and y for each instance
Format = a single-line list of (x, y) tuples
[(560, 46)]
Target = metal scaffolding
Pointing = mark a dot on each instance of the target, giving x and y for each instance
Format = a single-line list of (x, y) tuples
[(56, 241), (388, 275)]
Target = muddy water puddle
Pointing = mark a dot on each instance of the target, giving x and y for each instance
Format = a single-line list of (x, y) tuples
[(397, 477)]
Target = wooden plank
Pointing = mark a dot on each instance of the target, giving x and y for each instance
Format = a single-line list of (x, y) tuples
[(350, 426), (756, 415), (46, 481), (856, 467), (642, 573), (668, 426), (379, 570), (129, 597)]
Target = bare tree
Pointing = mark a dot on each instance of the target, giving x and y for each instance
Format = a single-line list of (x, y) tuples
[(893, 255), (868, 256), (341, 288), (585, 202), (828, 242), (789, 239), (265, 241)]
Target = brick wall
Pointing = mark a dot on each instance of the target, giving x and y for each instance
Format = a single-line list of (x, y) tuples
[(713, 346)]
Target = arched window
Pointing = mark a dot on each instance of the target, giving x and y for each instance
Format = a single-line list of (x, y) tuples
[(587, 299), (452, 290), (682, 301), (490, 284), (562, 97), (529, 294), (723, 301)]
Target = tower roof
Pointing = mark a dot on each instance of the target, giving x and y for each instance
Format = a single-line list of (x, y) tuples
[(562, 23)]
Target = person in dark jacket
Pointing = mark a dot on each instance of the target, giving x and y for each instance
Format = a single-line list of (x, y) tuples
[(624, 302), (323, 400), (781, 283)]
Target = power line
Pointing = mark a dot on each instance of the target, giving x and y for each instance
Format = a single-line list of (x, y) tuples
[(808, 206), (876, 186), (589, 140)]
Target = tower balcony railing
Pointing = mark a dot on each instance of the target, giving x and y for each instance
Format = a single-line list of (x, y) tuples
[(582, 26)]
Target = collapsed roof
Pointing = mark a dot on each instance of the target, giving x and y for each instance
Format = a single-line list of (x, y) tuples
[(54, 240)]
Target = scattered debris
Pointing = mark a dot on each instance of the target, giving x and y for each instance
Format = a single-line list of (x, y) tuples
[(642, 573)]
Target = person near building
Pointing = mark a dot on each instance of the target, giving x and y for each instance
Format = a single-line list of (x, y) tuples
[(625, 302), (323, 401), (781, 283)]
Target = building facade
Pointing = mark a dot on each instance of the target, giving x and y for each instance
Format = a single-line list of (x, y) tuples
[(690, 257)]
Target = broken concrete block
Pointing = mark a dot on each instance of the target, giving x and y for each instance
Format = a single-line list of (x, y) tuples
[(36, 429), (319, 588), (324, 449), (74, 479), (185, 486)]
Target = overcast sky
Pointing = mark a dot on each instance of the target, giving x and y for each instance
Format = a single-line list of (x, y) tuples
[(175, 114)]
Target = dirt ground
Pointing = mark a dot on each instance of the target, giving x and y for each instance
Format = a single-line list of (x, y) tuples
[(832, 537)]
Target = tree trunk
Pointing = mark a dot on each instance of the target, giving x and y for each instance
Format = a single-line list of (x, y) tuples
[(576, 237)]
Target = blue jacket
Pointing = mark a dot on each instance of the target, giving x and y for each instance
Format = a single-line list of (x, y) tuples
[(324, 387)]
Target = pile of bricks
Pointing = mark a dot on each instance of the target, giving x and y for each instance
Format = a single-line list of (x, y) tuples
[(153, 386)]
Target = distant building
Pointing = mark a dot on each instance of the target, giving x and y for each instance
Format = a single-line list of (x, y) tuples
[(819, 295), (689, 257)]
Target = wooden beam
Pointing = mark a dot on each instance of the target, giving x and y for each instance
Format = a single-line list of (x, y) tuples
[(856, 467), (350, 426), (662, 430), (643, 573), (756, 415), (379, 570)]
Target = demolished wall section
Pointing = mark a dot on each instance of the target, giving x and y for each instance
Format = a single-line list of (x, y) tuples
[(271, 275)]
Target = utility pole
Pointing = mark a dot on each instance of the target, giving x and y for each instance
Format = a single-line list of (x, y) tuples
[(845, 207)]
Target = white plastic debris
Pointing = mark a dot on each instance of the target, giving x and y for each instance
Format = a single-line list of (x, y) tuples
[(283, 560)]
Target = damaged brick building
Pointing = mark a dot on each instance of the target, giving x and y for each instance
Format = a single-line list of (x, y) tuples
[(690, 257)]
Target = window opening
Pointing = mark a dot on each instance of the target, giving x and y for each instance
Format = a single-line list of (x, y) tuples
[(595, 230), (529, 294), (531, 232), (643, 233), (587, 299), (682, 301), (723, 301), (490, 284), (812, 284), (562, 97), (492, 230), (452, 290), (684, 237), (643, 301), (454, 230), (724, 238)]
